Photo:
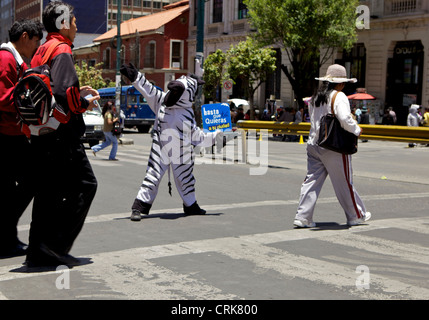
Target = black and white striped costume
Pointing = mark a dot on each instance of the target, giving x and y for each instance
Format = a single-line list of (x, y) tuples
[(174, 135)]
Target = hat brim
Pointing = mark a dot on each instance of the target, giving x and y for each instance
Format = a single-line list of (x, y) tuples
[(337, 80)]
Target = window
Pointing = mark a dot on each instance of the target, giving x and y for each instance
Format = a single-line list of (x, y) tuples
[(355, 63), (122, 54), (403, 6), (217, 10), (176, 54), (149, 58), (242, 10), (106, 59), (92, 63), (196, 11), (137, 3)]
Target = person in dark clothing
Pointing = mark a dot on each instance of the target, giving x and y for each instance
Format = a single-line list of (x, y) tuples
[(15, 191), (64, 180), (364, 119)]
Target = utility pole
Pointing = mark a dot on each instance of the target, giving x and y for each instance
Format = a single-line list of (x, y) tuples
[(118, 60), (199, 56)]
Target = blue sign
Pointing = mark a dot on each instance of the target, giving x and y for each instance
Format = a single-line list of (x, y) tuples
[(216, 116)]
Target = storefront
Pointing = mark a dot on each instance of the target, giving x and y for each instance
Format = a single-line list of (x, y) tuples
[(405, 78)]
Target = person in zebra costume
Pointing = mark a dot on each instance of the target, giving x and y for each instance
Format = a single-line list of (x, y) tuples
[(174, 135)]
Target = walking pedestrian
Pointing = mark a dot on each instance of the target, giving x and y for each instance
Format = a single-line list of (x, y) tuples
[(322, 162), (65, 184), (425, 120), (110, 138), (364, 118), (413, 119), (15, 190)]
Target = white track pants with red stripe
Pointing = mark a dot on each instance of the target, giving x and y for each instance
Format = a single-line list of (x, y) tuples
[(321, 163)]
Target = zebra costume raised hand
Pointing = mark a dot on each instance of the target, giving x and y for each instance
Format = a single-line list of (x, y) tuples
[(174, 135)]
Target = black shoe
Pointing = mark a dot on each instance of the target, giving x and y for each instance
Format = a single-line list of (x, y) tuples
[(45, 257), (135, 215), (46, 261), (193, 209), (139, 207), (16, 250)]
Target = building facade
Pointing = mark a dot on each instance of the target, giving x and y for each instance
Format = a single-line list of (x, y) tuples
[(6, 19), (156, 44), (390, 58), (131, 9), (225, 24), (394, 55)]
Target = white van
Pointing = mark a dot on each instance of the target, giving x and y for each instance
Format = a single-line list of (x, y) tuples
[(94, 123)]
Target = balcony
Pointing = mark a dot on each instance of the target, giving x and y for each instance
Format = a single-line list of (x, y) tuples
[(400, 7)]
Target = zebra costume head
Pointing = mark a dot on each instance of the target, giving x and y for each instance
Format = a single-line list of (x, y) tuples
[(181, 92)]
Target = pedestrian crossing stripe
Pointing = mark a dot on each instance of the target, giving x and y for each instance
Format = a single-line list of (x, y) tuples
[(153, 281)]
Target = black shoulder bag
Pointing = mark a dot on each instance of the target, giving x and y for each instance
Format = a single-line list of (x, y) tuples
[(333, 137)]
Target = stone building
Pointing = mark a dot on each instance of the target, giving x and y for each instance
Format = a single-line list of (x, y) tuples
[(390, 57)]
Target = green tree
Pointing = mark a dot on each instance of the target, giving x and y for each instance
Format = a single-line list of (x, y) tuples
[(213, 73), (250, 62), (90, 76), (308, 31)]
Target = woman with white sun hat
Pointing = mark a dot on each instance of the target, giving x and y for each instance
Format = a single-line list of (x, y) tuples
[(322, 162)]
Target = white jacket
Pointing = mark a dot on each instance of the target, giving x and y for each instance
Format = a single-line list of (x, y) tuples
[(342, 112)]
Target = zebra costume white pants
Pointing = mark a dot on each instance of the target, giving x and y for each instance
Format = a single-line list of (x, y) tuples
[(161, 160), (321, 163)]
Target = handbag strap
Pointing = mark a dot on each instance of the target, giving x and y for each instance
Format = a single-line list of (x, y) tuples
[(332, 102)]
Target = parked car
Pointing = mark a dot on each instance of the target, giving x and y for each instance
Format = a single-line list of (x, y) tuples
[(94, 123)]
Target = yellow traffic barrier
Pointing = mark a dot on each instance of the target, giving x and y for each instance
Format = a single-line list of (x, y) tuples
[(370, 132)]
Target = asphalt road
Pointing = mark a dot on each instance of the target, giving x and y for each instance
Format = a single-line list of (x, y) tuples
[(245, 247)]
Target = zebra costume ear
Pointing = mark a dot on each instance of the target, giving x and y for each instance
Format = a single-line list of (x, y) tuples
[(176, 89)]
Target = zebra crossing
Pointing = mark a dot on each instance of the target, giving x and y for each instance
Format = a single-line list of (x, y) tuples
[(142, 273), (373, 261)]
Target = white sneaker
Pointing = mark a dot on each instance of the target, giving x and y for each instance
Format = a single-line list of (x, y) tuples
[(303, 223), (365, 218)]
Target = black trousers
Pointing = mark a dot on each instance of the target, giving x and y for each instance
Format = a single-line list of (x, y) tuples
[(15, 188), (65, 188)]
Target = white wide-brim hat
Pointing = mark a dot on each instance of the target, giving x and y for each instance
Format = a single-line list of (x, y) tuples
[(336, 74)]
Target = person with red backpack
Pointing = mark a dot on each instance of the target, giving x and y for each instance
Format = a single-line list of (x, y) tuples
[(65, 182), (15, 193)]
